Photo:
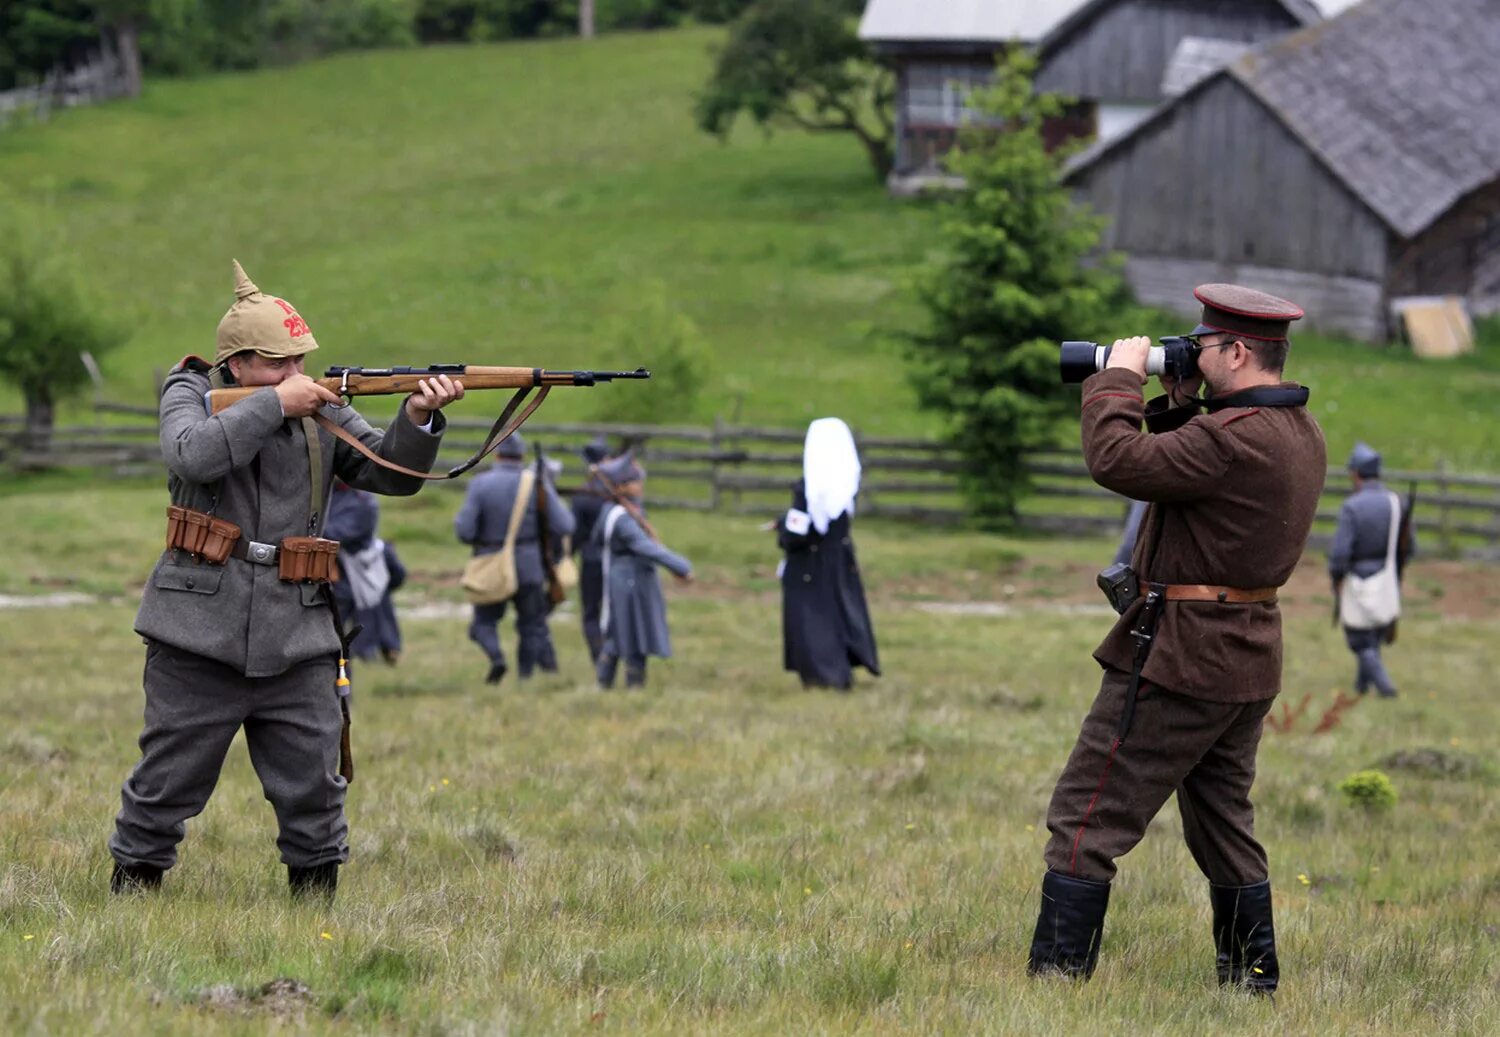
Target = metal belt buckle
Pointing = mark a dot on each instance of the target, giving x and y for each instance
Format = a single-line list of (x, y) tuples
[(260, 554)]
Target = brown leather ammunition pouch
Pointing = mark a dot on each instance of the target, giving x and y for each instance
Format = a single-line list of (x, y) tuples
[(309, 560), (200, 534)]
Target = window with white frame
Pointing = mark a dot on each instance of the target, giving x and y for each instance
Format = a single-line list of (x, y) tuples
[(937, 94)]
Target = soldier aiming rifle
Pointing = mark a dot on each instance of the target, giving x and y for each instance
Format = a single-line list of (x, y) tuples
[(239, 625)]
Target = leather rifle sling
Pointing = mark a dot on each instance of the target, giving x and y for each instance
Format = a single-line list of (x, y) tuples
[(499, 433), (314, 475)]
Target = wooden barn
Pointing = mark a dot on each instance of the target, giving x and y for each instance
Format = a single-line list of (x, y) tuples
[(1344, 167), (1111, 55)]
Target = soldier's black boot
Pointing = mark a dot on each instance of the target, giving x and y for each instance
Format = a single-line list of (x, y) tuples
[(134, 878), (1069, 928), (1244, 937), (320, 880)]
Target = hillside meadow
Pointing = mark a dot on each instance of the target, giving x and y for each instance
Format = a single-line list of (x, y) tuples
[(724, 852), (552, 204)]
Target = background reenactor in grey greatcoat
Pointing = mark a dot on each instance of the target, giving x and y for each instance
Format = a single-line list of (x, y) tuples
[(587, 503), (1232, 496), (482, 521), (1360, 547), (232, 644), (635, 613)]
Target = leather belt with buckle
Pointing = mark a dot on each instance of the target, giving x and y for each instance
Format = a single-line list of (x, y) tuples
[(255, 552)]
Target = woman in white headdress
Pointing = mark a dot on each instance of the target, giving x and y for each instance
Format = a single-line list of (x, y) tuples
[(825, 622)]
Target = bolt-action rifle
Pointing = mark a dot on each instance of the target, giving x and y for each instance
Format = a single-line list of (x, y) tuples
[(385, 381)]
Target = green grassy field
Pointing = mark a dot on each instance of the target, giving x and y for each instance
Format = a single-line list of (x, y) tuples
[(545, 203), (725, 852)]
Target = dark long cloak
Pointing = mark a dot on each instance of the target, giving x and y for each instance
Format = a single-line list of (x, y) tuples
[(825, 623)]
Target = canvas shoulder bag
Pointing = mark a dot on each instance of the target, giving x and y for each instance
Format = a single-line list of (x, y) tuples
[(491, 578), (1374, 601)]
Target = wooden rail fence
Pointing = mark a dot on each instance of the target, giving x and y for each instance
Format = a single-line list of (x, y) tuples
[(745, 470)]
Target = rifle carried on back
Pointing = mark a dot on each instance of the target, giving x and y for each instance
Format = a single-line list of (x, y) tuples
[(386, 381), (556, 590)]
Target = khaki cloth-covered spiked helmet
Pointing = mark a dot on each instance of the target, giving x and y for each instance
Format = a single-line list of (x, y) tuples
[(270, 326)]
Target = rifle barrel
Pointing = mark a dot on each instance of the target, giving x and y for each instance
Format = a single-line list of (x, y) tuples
[(382, 381)]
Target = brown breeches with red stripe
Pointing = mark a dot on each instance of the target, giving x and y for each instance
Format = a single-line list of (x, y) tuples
[(1111, 789)]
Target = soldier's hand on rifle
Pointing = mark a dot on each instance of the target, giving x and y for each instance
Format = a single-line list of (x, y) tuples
[(1130, 354), (301, 396), (432, 394)]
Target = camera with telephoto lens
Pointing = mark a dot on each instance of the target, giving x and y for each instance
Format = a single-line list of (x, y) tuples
[(1176, 357)]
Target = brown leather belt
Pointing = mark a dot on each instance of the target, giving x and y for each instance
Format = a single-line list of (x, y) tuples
[(1221, 595)]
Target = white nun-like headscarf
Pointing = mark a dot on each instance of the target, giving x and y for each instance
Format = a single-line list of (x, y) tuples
[(830, 471)]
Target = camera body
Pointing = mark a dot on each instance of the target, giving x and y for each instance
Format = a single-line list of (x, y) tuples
[(1176, 357)]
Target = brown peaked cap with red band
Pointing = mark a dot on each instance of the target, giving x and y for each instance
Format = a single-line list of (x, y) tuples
[(1233, 309)]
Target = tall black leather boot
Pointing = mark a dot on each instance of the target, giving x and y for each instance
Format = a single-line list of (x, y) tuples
[(320, 880), (134, 878), (1069, 928), (1244, 937)]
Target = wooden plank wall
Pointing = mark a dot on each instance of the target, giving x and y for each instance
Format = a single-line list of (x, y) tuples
[(1122, 52), (744, 470), (1348, 304), (1218, 178)]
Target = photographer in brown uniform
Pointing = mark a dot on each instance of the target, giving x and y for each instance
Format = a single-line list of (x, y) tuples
[(1194, 661)]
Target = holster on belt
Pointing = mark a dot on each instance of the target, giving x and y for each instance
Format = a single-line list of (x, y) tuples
[(309, 560), (200, 534)]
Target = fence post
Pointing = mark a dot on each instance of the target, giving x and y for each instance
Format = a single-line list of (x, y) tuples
[(1445, 522), (715, 442)]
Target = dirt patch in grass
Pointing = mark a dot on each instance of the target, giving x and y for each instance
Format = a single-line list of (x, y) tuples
[(285, 1000)]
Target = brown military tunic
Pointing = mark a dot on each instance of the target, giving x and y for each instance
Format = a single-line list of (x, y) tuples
[(1233, 494)]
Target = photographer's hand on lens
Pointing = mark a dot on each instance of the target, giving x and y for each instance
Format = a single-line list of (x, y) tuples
[(1130, 354)]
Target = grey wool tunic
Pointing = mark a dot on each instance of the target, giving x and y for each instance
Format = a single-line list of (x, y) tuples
[(635, 613), (249, 464)]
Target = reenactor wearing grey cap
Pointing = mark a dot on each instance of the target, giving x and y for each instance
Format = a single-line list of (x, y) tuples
[(483, 521), (1370, 548), (1193, 663), (237, 619)]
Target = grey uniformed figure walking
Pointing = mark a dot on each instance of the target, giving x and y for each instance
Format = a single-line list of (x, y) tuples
[(587, 503), (634, 618), (482, 522), (1232, 496), (1368, 540), (232, 645)]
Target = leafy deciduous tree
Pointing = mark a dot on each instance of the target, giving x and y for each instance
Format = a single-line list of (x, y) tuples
[(1015, 280), (799, 63), (46, 323)]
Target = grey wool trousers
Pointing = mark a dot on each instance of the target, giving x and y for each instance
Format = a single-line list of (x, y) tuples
[(194, 707)]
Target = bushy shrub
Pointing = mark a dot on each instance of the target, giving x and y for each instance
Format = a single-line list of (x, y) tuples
[(1371, 790), (188, 37), (653, 334)]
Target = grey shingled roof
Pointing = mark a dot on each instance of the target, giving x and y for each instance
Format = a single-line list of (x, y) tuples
[(1400, 97), (961, 21), (1305, 12), (1397, 97), (1196, 57)]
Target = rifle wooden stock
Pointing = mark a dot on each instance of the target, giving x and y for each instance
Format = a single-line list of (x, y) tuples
[(393, 381)]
